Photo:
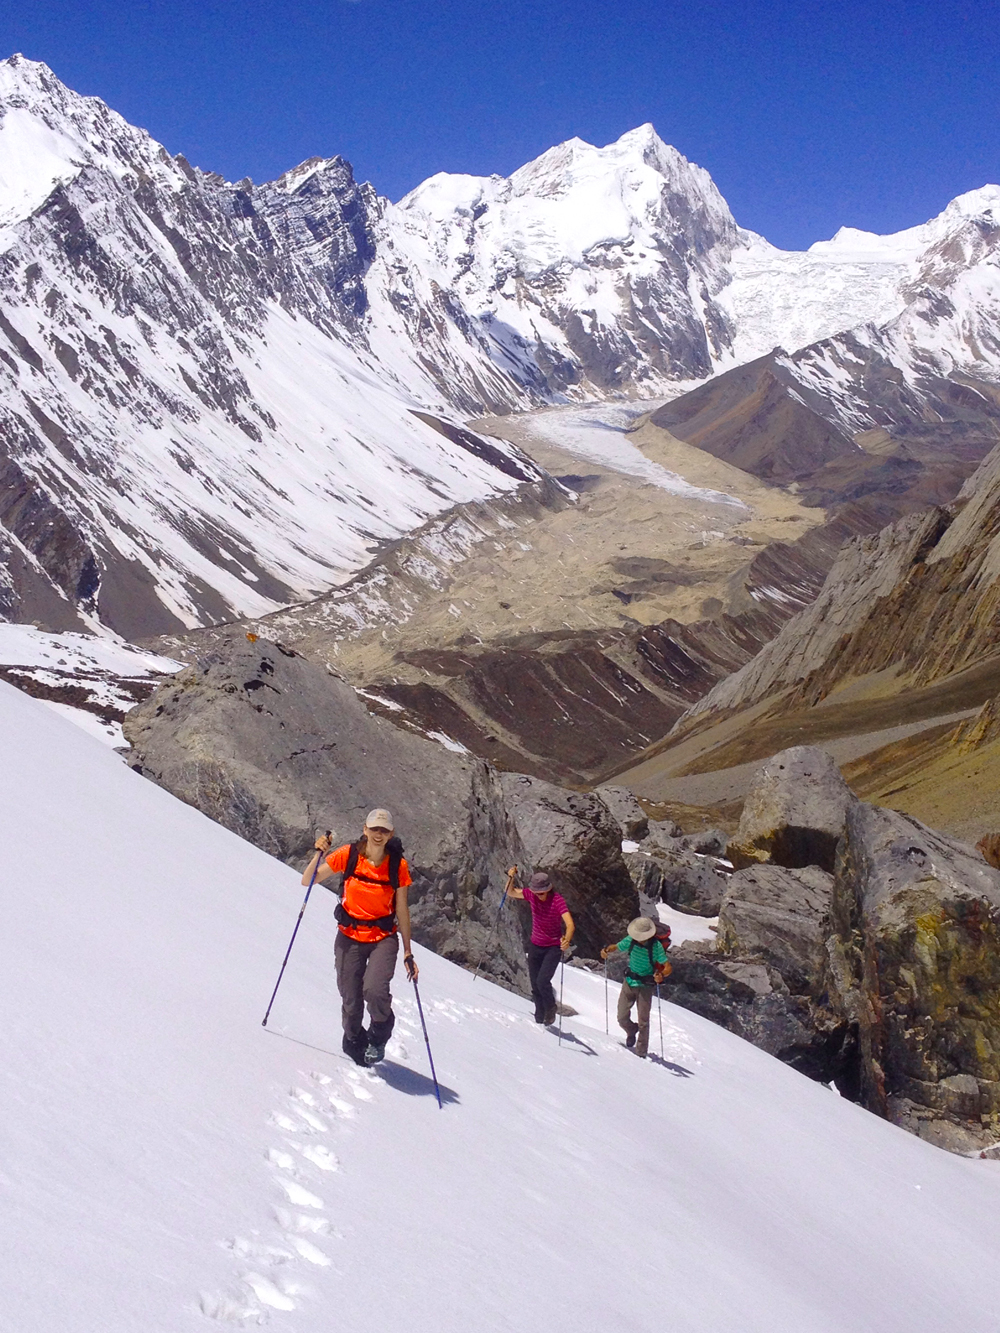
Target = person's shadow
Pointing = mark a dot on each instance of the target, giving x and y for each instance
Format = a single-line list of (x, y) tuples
[(570, 1039), (399, 1077), (407, 1080)]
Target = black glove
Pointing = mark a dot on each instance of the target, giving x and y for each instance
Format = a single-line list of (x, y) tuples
[(410, 965)]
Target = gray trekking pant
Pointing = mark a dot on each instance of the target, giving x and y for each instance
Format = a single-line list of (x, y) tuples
[(363, 975), (627, 998)]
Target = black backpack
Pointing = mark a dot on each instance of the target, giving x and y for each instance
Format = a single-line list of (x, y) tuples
[(394, 848)]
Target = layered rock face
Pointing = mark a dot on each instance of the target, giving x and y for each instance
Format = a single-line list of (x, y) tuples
[(277, 749), (883, 976), (919, 598), (917, 953)]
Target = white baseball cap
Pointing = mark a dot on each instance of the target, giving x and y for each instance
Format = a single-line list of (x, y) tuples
[(379, 819)]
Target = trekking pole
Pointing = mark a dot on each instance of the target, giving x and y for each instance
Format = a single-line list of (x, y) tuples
[(659, 1010), (427, 1043), (607, 1029), (562, 970), (319, 860), (496, 922)]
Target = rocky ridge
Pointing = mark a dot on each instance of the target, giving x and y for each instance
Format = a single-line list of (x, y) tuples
[(875, 969)]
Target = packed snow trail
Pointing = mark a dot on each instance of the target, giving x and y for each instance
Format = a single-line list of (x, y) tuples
[(168, 1164)]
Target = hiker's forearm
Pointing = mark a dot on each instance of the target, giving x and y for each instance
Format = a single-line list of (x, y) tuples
[(403, 921)]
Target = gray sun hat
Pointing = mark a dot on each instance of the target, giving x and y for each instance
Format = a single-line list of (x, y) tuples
[(641, 929), (539, 882)]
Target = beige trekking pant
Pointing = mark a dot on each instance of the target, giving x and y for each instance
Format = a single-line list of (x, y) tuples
[(643, 996)]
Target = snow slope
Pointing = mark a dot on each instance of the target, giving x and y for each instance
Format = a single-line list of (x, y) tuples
[(90, 680), (167, 1164)]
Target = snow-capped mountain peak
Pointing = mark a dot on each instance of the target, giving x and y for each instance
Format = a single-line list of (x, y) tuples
[(49, 134)]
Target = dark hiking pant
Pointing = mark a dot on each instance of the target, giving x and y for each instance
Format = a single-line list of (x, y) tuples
[(628, 997), (363, 975), (543, 959)]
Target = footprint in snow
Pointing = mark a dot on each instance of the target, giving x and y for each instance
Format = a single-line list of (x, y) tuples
[(320, 1156), (297, 1195), (306, 1114)]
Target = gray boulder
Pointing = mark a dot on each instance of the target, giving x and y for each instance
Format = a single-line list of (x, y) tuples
[(709, 842), (574, 838), (794, 812), (690, 884), (275, 748), (915, 964), (632, 819), (664, 828), (667, 870), (646, 874), (751, 999), (663, 835), (781, 917)]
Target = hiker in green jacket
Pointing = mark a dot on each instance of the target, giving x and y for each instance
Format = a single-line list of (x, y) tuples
[(647, 967)]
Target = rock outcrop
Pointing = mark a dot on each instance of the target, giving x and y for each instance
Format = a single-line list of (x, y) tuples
[(883, 976), (764, 978), (751, 999), (916, 957), (794, 812), (576, 840), (782, 917), (276, 748), (632, 819)]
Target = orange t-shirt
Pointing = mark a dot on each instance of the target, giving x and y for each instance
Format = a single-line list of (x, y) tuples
[(368, 901)]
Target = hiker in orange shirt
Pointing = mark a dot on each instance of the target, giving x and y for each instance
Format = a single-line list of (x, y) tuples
[(372, 915)]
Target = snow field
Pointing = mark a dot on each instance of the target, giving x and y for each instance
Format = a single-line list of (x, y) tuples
[(168, 1164)]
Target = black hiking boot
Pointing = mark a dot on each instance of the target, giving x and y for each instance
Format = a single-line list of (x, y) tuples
[(630, 1038), (374, 1053), (550, 1016), (356, 1047)]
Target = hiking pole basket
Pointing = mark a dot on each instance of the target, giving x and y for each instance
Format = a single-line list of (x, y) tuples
[(427, 1043), (312, 881)]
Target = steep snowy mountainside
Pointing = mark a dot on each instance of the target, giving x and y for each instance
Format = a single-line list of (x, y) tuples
[(170, 1165), (930, 376), (778, 298), (907, 407), (92, 680), (192, 425)]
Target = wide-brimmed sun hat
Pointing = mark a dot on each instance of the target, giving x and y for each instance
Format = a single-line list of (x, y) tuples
[(539, 882), (641, 929)]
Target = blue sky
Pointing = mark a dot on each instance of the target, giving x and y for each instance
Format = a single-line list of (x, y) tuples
[(809, 116)]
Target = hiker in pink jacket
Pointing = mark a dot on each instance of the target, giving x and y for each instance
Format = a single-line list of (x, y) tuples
[(551, 932)]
